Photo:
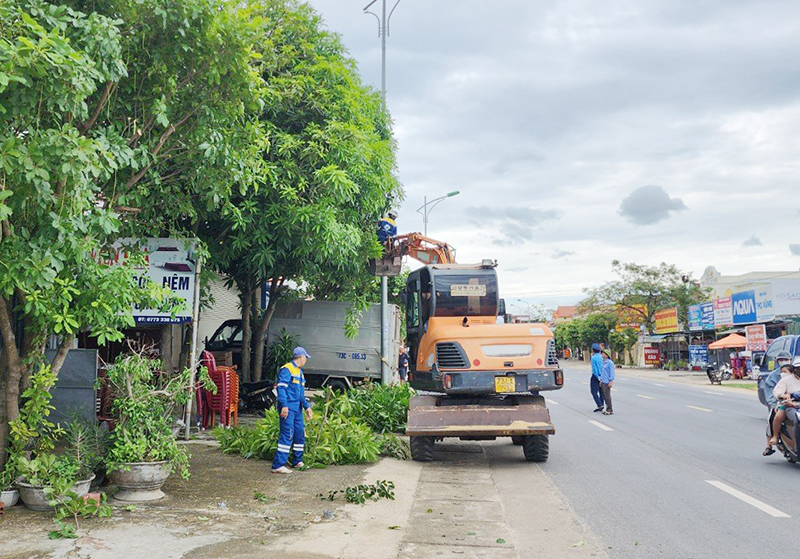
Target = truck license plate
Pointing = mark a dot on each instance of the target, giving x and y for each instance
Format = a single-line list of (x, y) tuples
[(505, 384)]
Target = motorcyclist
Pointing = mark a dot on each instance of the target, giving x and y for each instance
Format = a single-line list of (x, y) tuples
[(783, 366)]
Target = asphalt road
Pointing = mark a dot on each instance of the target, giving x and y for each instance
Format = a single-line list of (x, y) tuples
[(676, 472)]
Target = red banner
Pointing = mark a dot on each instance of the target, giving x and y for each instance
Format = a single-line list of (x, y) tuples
[(652, 356), (756, 337)]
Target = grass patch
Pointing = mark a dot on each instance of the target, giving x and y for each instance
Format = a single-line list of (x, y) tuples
[(747, 385)]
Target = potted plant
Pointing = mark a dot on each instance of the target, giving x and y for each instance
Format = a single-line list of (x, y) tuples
[(43, 477), (47, 479), (142, 449), (86, 444), (9, 495)]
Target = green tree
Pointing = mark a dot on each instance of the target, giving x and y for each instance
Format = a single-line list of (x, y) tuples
[(325, 172), (54, 224), (642, 290)]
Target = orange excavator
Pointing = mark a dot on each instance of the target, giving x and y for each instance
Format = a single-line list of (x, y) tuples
[(477, 379)]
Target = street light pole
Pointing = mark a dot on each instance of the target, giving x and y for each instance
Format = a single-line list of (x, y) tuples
[(383, 32), (425, 210)]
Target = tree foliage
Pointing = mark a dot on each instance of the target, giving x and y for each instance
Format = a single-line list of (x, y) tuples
[(642, 290), (581, 333), (325, 171), (53, 224)]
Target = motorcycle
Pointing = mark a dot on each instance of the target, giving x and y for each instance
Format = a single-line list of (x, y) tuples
[(790, 433), (717, 374), (255, 397)]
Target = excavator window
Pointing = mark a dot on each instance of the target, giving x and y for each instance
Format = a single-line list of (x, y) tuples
[(412, 310), (473, 294)]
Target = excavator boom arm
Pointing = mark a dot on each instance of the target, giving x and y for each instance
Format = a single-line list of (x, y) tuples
[(422, 248)]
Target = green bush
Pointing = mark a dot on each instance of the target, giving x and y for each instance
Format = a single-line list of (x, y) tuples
[(384, 408), (350, 428), (331, 439)]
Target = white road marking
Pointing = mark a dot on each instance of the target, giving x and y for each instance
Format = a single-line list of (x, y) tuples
[(549, 401), (698, 408), (598, 424), (645, 397), (714, 393), (748, 499), (584, 382), (661, 385)]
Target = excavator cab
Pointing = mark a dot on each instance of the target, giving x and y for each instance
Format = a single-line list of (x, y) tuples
[(456, 345), (456, 294)]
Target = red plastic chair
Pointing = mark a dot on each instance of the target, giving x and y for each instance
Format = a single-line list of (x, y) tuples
[(220, 402)]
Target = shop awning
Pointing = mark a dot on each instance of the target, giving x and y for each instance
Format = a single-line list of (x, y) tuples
[(655, 338), (732, 341)]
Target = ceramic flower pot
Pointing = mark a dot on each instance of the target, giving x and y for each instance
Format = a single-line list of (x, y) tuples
[(34, 497), (9, 497), (142, 482)]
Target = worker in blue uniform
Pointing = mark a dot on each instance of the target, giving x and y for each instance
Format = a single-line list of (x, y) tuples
[(387, 227), (292, 404), (594, 380)]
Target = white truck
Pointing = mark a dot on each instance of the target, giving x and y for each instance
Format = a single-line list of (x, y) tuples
[(336, 360)]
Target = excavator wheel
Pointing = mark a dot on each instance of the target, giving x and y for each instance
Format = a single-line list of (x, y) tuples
[(517, 440), (422, 448), (536, 448)]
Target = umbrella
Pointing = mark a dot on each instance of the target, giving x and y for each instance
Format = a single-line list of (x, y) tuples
[(731, 341)]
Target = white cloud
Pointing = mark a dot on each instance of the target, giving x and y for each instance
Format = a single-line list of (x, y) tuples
[(571, 106)]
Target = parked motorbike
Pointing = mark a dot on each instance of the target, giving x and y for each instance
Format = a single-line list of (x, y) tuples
[(258, 396), (717, 374)]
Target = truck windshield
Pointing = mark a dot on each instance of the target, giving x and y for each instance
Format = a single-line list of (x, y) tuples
[(473, 294), (228, 334)]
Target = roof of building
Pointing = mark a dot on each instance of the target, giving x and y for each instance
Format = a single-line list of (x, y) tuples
[(565, 311)]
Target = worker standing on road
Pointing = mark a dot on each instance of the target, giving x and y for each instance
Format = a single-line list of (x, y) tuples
[(597, 369), (292, 403), (607, 376), (387, 227)]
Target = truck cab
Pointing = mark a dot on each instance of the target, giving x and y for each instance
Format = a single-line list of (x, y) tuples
[(767, 363)]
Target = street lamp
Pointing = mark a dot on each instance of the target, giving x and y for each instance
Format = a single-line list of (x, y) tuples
[(528, 308), (425, 210), (383, 32)]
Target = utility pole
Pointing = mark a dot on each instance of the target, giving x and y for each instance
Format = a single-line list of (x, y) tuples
[(383, 32)]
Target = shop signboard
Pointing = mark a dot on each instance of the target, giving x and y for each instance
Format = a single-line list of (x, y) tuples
[(707, 310), (666, 321), (698, 356), (630, 317), (744, 307), (765, 309), (652, 356), (695, 318), (786, 297), (170, 263), (723, 312), (756, 337)]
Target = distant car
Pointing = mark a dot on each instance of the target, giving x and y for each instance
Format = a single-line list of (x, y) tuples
[(766, 364)]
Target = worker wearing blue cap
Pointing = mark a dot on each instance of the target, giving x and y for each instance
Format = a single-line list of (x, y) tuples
[(597, 370), (291, 403)]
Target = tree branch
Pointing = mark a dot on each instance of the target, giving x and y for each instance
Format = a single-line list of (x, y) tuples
[(100, 104)]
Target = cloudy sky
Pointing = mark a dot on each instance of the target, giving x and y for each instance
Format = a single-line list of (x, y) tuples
[(582, 131)]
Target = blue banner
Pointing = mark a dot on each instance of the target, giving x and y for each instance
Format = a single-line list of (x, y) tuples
[(744, 307), (695, 318), (698, 356), (707, 315)]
